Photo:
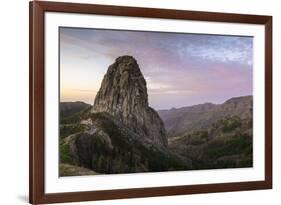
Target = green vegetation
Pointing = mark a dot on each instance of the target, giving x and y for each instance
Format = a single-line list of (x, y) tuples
[(65, 155), (70, 125), (76, 117), (68, 129), (198, 137), (230, 123), (236, 145), (227, 144)]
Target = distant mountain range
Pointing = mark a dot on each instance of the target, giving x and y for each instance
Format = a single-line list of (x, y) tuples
[(211, 135), (68, 109), (188, 119)]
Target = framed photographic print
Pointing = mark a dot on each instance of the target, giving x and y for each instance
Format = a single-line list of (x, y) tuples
[(140, 102)]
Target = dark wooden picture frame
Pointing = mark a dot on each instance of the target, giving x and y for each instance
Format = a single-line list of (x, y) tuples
[(37, 193)]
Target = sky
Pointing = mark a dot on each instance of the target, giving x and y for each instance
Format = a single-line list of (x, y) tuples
[(180, 69)]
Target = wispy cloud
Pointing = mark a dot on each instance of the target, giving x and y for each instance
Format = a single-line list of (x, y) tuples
[(220, 49), (180, 69)]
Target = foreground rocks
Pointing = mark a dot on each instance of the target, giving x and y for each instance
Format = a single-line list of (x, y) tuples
[(71, 170), (114, 148)]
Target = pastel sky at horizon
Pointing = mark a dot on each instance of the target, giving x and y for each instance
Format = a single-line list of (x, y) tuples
[(180, 69)]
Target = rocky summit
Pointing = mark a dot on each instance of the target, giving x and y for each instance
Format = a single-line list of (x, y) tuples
[(123, 94)]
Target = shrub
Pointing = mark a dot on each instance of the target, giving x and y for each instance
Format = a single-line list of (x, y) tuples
[(231, 123), (65, 155), (237, 145), (66, 130)]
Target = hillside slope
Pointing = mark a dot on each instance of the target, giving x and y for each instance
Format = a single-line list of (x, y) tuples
[(189, 119), (105, 145)]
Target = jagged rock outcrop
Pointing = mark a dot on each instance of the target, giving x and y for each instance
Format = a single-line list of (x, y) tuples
[(123, 94), (120, 133)]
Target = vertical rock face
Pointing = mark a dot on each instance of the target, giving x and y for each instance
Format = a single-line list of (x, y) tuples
[(123, 94)]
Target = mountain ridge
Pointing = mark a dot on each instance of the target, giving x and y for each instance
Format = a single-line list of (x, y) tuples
[(204, 103), (67, 109), (190, 118)]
